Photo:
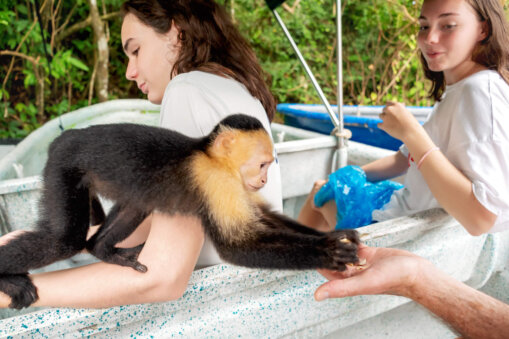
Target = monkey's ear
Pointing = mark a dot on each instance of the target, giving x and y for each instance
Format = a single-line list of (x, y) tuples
[(224, 142)]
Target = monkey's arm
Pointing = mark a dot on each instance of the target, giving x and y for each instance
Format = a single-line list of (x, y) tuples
[(278, 220), (119, 225), (170, 253), (282, 243), (289, 250)]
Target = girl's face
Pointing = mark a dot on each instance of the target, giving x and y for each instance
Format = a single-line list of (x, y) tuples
[(151, 56), (449, 31)]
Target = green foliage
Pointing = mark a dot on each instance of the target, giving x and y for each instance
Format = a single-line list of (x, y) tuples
[(379, 55), (67, 86), (379, 59)]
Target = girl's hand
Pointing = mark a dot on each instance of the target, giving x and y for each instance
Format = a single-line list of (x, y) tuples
[(398, 121), (316, 187)]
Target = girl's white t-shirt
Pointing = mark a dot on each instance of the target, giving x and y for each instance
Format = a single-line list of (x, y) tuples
[(471, 126), (193, 104)]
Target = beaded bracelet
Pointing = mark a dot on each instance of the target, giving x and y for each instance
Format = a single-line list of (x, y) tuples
[(425, 155)]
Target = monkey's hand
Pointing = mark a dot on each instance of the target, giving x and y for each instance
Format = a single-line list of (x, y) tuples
[(20, 288), (119, 256), (341, 249)]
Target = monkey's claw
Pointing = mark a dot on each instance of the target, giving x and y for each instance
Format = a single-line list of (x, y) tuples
[(131, 255), (20, 288), (128, 257), (140, 267), (342, 249), (120, 256)]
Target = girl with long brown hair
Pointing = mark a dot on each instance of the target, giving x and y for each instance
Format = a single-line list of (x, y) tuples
[(189, 57), (458, 159)]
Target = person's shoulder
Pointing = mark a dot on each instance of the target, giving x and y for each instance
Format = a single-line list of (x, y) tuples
[(184, 85), (199, 78), (205, 82), (185, 79), (484, 80), (481, 89), (486, 86), (474, 82), (481, 106)]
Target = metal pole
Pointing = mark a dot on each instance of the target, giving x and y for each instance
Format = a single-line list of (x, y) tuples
[(318, 89), (339, 63), (342, 149)]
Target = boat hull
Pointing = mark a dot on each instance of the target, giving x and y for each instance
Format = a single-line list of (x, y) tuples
[(227, 300)]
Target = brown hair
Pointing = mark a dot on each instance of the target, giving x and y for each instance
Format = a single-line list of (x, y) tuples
[(209, 40), (492, 52)]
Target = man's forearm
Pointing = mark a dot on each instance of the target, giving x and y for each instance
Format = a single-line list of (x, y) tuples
[(471, 313)]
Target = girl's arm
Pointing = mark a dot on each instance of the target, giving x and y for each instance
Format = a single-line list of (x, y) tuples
[(170, 253), (452, 189), (324, 218), (386, 168), (314, 217)]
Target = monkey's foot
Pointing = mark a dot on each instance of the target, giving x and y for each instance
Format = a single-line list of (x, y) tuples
[(342, 249), (20, 288), (122, 256)]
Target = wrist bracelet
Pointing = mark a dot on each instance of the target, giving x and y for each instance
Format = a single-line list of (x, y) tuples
[(425, 155)]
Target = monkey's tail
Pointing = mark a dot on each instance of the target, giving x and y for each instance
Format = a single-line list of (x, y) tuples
[(30, 250)]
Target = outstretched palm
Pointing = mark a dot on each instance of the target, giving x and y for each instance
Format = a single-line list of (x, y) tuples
[(386, 271)]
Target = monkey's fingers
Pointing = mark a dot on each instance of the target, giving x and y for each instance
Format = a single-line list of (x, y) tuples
[(140, 268), (129, 256), (20, 289), (348, 236), (137, 266), (341, 249)]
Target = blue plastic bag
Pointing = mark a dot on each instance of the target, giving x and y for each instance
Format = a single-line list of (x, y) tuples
[(355, 197)]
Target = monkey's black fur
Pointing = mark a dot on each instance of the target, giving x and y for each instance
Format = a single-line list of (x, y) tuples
[(143, 169)]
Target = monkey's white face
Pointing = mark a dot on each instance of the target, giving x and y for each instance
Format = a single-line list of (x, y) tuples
[(254, 170)]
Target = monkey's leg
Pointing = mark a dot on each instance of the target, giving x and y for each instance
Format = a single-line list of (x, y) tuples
[(16, 257), (97, 216), (119, 224), (284, 249), (28, 250), (59, 233), (19, 288)]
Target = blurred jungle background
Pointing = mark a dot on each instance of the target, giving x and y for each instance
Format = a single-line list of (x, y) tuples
[(380, 58)]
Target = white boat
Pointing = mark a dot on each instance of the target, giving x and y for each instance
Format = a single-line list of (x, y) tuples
[(227, 300)]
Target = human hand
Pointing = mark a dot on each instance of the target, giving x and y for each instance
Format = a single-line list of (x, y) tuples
[(316, 187), (398, 121), (387, 271)]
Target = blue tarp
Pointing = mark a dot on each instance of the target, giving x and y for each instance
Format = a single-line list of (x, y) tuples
[(364, 128)]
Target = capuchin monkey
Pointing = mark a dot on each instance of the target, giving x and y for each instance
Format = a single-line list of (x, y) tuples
[(145, 169)]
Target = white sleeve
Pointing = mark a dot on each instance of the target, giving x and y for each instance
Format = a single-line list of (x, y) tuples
[(485, 164), (480, 155), (404, 150)]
